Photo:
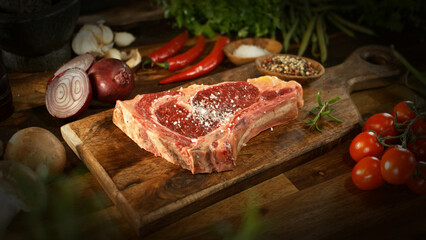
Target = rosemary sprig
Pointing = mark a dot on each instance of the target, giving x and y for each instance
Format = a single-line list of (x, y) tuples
[(321, 110)]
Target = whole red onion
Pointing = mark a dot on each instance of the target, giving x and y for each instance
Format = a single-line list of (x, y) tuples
[(111, 80)]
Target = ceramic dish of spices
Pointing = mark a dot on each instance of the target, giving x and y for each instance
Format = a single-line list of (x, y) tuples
[(290, 67), (248, 49)]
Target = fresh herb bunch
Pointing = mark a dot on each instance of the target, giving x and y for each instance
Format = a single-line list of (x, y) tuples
[(258, 18), (301, 22)]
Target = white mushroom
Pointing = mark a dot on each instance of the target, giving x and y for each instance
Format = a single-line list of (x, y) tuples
[(39, 149), (20, 190)]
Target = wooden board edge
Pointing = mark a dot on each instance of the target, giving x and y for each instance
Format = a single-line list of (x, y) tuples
[(71, 138), (108, 185), (103, 178)]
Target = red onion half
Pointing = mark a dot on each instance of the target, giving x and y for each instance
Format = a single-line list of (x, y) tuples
[(111, 79), (68, 95), (83, 62)]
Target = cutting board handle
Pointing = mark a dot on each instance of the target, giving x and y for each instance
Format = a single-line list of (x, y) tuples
[(367, 67)]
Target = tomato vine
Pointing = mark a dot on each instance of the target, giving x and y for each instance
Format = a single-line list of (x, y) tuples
[(403, 162)]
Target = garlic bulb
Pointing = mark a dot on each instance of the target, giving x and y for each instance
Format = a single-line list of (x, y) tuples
[(123, 39), (83, 42), (93, 38), (94, 29)]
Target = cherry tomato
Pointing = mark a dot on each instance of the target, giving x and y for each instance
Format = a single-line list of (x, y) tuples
[(366, 174), (381, 123), (404, 113), (418, 148), (418, 184), (419, 127), (365, 144), (393, 146), (397, 165)]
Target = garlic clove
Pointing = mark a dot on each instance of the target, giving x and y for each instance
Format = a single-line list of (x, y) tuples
[(135, 58), (126, 55), (123, 39), (107, 47), (107, 34), (113, 53)]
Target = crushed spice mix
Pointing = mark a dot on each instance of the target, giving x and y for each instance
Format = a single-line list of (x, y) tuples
[(289, 65)]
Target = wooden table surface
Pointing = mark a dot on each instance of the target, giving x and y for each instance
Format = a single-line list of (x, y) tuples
[(316, 200)]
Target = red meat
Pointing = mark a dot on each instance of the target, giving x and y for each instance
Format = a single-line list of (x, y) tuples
[(202, 128)]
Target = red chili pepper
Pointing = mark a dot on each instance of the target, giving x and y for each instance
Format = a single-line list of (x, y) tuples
[(168, 50), (209, 63), (184, 59)]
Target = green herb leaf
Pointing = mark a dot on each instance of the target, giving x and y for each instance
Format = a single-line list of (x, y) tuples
[(321, 110)]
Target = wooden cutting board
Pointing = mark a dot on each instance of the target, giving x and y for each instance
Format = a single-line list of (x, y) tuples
[(151, 192)]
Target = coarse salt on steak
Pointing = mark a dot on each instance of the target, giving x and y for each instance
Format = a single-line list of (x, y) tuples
[(202, 128)]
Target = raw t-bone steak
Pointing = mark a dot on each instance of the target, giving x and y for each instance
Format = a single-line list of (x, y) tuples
[(202, 128)]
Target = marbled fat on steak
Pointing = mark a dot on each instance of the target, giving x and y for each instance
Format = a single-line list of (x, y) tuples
[(202, 128)]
